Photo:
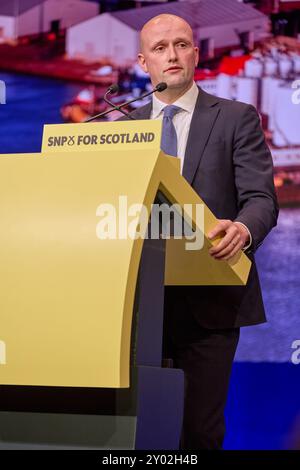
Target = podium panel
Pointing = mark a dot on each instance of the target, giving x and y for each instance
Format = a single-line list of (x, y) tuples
[(71, 249)]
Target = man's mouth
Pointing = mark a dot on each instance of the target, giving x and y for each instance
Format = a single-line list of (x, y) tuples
[(174, 68)]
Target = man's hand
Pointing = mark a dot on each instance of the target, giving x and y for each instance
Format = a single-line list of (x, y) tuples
[(235, 237)]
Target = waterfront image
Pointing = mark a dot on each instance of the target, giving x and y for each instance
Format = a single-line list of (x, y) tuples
[(58, 69)]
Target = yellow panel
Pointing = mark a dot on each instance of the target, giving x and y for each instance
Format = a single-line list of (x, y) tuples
[(67, 296), (63, 289)]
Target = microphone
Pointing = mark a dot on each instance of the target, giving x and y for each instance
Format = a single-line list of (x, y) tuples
[(114, 88), (111, 91), (159, 87)]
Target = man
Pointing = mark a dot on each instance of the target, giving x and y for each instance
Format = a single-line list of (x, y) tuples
[(225, 159)]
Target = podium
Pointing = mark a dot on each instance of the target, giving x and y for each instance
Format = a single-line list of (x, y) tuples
[(82, 288)]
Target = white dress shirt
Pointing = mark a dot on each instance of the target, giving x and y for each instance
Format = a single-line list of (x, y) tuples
[(182, 121)]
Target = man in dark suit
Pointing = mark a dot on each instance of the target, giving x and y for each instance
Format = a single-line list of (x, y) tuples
[(226, 160)]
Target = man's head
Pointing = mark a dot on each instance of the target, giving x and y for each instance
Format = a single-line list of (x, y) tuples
[(168, 53)]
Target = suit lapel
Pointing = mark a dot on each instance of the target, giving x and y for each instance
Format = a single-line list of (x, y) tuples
[(144, 112), (204, 117)]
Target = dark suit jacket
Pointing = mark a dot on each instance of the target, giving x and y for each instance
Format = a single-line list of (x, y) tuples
[(229, 165)]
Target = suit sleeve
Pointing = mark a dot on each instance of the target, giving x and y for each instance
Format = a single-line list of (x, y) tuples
[(253, 169)]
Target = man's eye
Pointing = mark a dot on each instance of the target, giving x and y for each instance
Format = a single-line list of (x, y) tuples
[(181, 44), (159, 48)]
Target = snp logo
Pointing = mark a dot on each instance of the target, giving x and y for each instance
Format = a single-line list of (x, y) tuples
[(296, 354), (2, 353)]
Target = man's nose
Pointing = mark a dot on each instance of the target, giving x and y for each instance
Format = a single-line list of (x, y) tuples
[(172, 53)]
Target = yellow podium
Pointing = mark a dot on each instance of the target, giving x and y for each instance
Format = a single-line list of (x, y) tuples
[(73, 224)]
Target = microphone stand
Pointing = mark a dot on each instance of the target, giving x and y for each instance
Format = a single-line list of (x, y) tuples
[(117, 108), (160, 87)]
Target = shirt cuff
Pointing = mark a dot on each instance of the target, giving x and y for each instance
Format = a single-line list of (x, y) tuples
[(250, 236)]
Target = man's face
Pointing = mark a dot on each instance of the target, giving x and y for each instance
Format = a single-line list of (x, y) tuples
[(168, 52)]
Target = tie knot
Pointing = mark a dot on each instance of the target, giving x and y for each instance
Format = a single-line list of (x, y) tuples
[(171, 110)]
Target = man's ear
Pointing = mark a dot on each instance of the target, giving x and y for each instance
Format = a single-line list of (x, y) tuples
[(196, 56), (142, 62)]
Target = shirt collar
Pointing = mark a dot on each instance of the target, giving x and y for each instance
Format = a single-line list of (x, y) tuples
[(186, 102)]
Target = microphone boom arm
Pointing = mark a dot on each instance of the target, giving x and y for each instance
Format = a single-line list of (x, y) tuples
[(160, 87)]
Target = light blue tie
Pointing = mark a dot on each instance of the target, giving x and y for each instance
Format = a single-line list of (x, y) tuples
[(169, 136)]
